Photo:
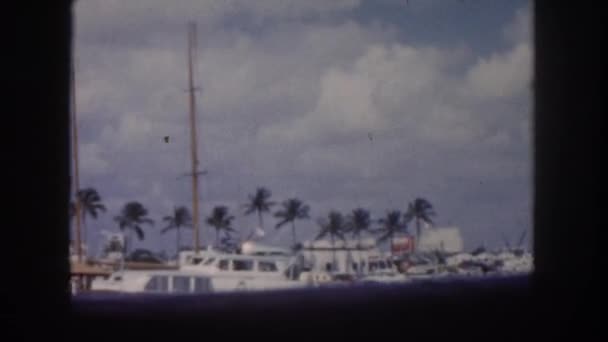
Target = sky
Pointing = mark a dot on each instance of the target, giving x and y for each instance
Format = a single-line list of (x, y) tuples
[(342, 104)]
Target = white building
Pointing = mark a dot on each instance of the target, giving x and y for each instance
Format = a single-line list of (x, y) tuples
[(447, 239), (343, 257)]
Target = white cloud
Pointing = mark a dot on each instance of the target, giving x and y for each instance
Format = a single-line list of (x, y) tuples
[(503, 75), (362, 97), (279, 72)]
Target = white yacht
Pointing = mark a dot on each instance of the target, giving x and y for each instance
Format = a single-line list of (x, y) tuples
[(500, 262), (208, 272), (382, 270), (259, 267)]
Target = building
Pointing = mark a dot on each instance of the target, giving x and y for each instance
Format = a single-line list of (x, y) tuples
[(346, 257), (446, 239)]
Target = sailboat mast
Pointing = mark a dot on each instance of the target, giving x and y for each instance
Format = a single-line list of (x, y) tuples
[(193, 140), (76, 175)]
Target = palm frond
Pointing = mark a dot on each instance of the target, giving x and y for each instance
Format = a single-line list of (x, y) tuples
[(167, 228), (303, 212), (385, 237), (119, 219), (139, 232), (147, 220), (321, 234), (281, 223)]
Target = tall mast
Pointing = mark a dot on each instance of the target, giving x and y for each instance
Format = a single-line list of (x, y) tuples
[(75, 164), (193, 141)]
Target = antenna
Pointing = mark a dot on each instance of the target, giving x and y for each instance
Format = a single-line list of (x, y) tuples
[(506, 241), (522, 238)]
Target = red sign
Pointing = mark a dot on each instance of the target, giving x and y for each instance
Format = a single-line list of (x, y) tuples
[(402, 245)]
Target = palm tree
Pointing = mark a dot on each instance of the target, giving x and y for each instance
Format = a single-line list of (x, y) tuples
[(132, 217), (259, 202), (228, 244), (221, 221), (293, 209), (390, 225), (180, 218), (419, 210), (334, 226), (357, 222), (90, 205)]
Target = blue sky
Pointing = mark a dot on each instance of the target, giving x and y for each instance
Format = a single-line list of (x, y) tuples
[(291, 91)]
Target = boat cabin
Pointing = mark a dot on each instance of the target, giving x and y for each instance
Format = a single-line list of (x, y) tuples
[(160, 282), (235, 264)]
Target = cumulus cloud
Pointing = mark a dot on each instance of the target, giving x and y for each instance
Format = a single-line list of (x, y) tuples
[(361, 98), (503, 75)]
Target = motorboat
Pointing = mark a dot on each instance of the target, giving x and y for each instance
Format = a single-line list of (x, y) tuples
[(217, 272)]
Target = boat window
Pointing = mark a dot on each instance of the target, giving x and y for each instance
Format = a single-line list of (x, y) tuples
[(223, 264), (267, 266), (209, 261), (181, 284), (242, 265), (355, 266), (157, 284), (197, 261), (117, 278), (202, 285)]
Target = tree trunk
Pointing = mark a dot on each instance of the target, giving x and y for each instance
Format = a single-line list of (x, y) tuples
[(84, 232), (417, 235), (260, 220), (333, 250), (293, 232), (177, 242), (128, 239), (359, 270)]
